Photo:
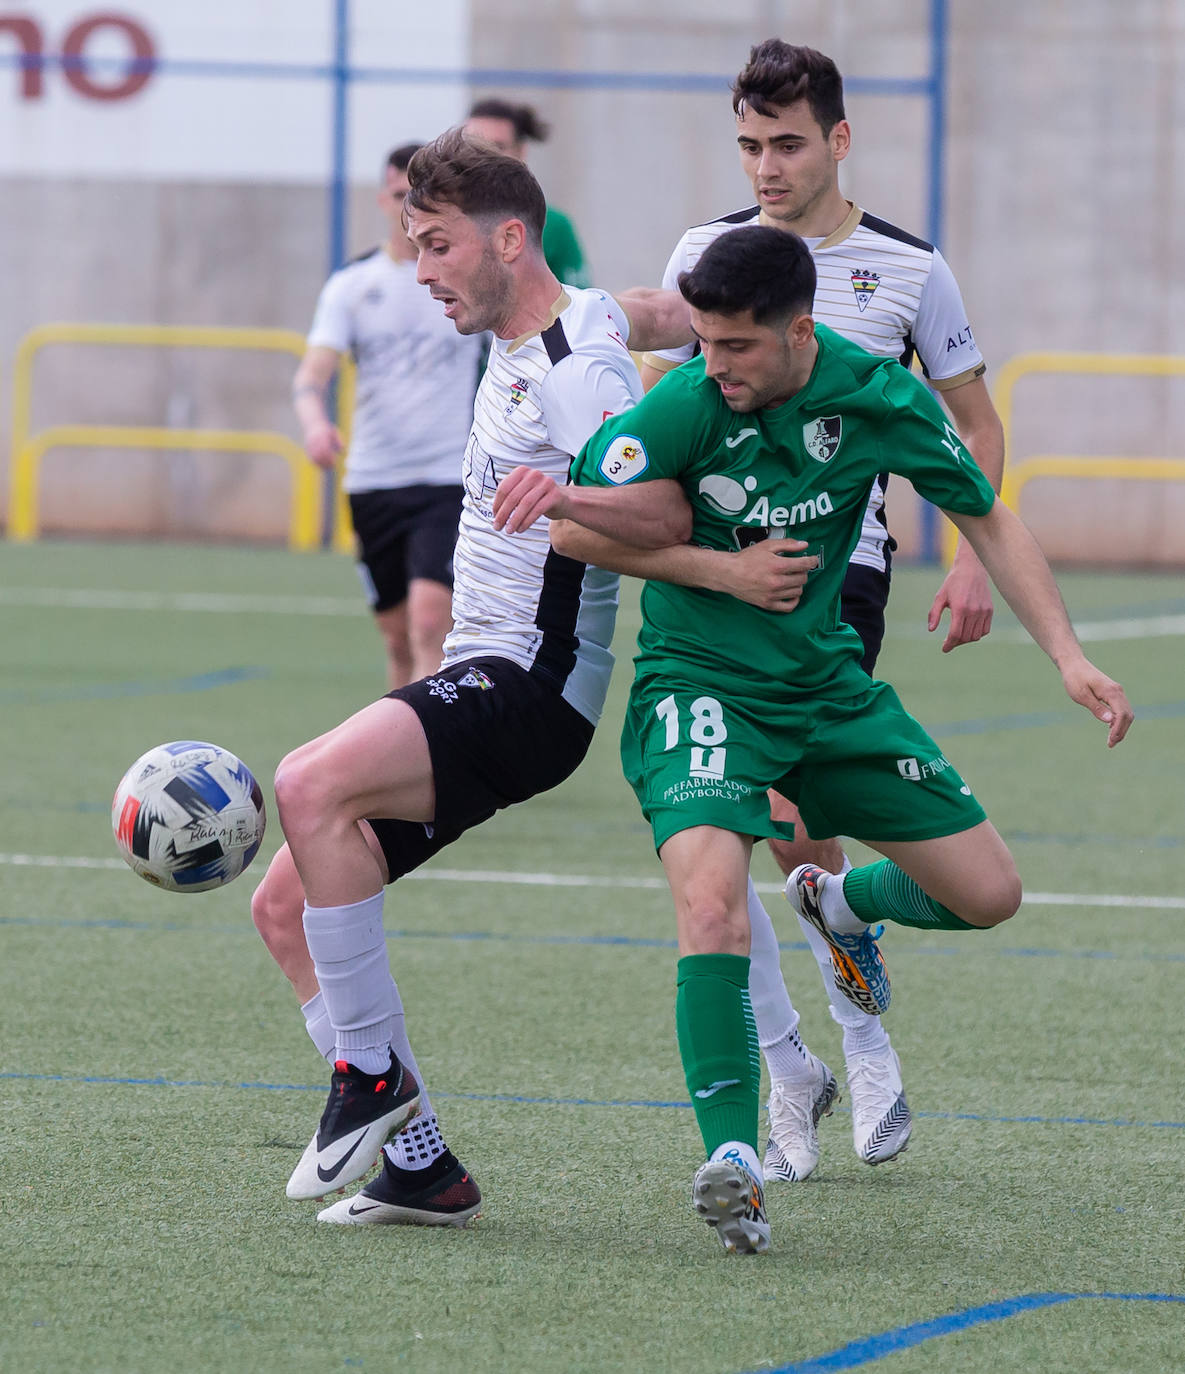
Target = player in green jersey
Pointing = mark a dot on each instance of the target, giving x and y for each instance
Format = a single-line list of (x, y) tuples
[(774, 435)]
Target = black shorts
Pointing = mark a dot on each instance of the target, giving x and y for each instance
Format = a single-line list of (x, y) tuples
[(404, 532), (862, 604), (497, 734)]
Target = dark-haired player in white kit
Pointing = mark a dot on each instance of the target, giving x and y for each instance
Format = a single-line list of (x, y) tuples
[(414, 404), (893, 294), (511, 711)]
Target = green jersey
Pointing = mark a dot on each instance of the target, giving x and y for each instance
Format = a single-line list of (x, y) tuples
[(562, 250), (801, 470)]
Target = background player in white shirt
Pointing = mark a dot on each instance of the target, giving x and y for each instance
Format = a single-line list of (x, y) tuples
[(511, 711), (414, 402), (891, 293)]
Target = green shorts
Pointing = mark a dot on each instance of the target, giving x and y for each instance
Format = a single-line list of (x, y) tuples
[(861, 767)]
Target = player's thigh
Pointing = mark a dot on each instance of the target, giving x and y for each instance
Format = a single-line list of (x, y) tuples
[(496, 735), (376, 763), (429, 609), (972, 873), (871, 771), (695, 759), (707, 870)]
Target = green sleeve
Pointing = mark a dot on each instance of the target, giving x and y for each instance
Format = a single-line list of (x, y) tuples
[(659, 437), (562, 249), (919, 443)]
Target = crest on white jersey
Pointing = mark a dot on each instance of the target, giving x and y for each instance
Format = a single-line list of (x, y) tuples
[(624, 459), (822, 437), (864, 284)]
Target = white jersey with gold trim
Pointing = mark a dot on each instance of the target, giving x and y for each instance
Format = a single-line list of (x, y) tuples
[(514, 596), (884, 289)]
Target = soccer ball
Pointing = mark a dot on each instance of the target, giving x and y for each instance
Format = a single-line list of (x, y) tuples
[(188, 816)]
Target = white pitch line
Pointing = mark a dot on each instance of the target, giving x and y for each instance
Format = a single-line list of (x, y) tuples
[(231, 603), (66, 598), (498, 876), (1088, 631)]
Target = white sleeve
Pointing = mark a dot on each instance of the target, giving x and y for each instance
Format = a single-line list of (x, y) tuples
[(580, 392), (679, 261), (333, 324), (941, 332)]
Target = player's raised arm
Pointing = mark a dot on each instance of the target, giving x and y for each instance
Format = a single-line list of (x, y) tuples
[(1019, 569), (658, 319)]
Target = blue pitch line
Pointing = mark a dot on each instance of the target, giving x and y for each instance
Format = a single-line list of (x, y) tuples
[(611, 941), (521, 1099), (872, 1348), (196, 682), (1030, 720)]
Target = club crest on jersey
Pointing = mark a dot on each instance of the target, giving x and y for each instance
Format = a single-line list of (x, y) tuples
[(476, 678), (822, 437), (518, 394), (864, 284)]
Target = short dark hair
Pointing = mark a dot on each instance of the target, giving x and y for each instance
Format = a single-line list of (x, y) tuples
[(401, 156), (482, 183), (767, 271), (525, 119), (778, 74)]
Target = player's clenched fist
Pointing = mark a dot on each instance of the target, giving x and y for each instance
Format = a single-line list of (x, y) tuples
[(770, 574)]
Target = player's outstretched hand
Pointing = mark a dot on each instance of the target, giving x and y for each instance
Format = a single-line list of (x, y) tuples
[(523, 495), (770, 574), (966, 592), (1102, 697), (323, 444)]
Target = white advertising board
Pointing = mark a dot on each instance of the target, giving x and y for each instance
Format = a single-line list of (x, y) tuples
[(222, 90)]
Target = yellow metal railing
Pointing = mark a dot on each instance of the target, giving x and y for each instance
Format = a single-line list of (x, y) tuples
[(1018, 474), (29, 449)]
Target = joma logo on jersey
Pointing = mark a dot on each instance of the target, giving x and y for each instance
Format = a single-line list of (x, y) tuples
[(779, 517), (913, 771)]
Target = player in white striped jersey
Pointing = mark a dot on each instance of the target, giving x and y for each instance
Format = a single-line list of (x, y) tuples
[(893, 294), (512, 709)]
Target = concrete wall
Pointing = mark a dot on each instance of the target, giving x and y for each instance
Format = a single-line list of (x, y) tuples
[(1065, 178)]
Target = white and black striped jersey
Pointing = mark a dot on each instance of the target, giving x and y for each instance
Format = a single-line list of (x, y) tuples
[(416, 374), (514, 596), (884, 289)]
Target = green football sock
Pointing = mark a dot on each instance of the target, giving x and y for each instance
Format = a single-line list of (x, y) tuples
[(882, 892), (718, 1044)]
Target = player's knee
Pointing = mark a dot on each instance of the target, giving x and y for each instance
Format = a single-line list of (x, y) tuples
[(272, 911), (711, 926), (994, 902), (302, 789)]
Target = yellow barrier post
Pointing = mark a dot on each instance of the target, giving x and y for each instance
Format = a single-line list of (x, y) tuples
[(27, 452)]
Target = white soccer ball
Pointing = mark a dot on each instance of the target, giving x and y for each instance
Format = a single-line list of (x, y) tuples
[(188, 816)]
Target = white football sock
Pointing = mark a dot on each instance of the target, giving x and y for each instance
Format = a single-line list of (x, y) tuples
[(401, 1046), (418, 1144), (836, 912), (773, 1011), (746, 1153), (321, 1032), (349, 954)]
